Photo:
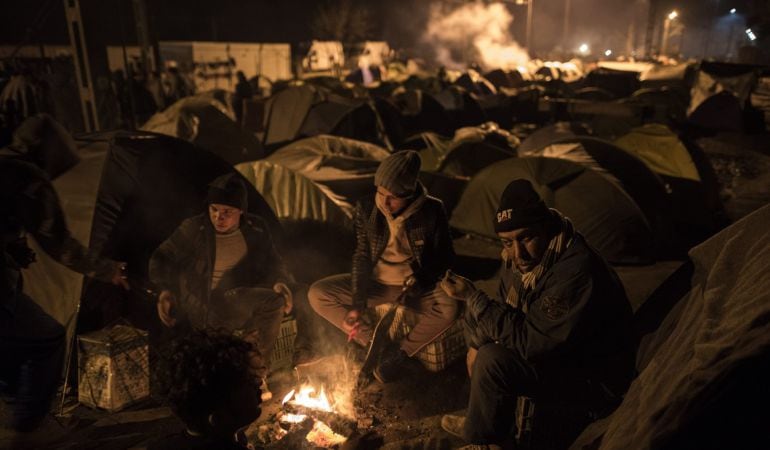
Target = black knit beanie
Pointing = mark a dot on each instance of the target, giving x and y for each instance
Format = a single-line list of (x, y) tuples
[(228, 190), (520, 207), (398, 173)]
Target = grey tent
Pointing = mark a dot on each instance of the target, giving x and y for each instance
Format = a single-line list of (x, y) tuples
[(470, 150), (308, 110), (608, 218), (703, 370), (318, 178), (205, 122)]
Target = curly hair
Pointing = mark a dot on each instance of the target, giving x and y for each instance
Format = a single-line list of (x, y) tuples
[(200, 369)]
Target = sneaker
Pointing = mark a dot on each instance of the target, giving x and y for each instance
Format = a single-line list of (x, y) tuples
[(453, 424), (390, 365), (266, 394)]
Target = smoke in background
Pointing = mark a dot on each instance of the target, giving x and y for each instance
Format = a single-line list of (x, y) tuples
[(474, 32)]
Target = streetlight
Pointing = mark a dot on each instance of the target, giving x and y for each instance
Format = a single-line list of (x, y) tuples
[(607, 52), (732, 11), (666, 27), (751, 35), (583, 49)]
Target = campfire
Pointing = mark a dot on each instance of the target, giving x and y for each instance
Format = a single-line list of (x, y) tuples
[(317, 414)]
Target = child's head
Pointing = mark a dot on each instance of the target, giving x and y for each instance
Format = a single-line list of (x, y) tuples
[(210, 384)]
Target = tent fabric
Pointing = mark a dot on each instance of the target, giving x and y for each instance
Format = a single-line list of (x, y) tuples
[(204, 121), (470, 150), (549, 134), (661, 150), (699, 366), (317, 178), (722, 112), (707, 85), (421, 113), (608, 218), (292, 195), (286, 111), (54, 287), (627, 171)]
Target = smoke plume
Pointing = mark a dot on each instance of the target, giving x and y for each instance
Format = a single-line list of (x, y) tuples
[(474, 32)]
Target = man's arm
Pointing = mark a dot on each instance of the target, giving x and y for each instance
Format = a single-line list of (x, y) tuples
[(361, 269), (442, 252), (168, 257), (41, 216), (550, 322)]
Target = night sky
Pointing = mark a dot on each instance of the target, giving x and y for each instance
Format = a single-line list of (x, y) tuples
[(110, 22)]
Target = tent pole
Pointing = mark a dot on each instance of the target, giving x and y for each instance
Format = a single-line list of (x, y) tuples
[(68, 364)]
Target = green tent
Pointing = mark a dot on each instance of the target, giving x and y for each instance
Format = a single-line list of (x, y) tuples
[(608, 218)]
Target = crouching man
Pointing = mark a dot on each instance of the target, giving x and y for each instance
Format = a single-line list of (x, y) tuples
[(220, 269), (402, 239), (559, 330)]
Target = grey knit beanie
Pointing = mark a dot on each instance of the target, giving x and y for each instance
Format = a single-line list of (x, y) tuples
[(398, 173), (228, 190)]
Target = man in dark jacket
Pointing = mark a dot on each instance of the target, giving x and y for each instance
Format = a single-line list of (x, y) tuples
[(221, 270), (561, 326), (32, 343), (401, 240)]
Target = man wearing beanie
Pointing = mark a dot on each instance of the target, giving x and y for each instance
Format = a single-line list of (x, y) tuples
[(220, 269), (560, 329), (402, 243)]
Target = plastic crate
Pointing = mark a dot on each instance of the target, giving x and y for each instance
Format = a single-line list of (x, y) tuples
[(437, 355), (284, 345), (113, 367)]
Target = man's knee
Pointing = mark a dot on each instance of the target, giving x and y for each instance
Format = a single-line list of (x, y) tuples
[(491, 360)]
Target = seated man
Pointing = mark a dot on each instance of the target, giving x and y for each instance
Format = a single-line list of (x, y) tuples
[(222, 270), (401, 240), (210, 386), (561, 326)]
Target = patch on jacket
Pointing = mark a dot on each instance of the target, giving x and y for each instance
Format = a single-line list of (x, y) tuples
[(554, 308)]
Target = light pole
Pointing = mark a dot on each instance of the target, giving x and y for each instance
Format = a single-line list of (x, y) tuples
[(666, 28)]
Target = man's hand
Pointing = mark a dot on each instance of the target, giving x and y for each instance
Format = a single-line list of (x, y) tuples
[(470, 360), (353, 324), (457, 287), (119, 276), (288, 299), (166, 306)]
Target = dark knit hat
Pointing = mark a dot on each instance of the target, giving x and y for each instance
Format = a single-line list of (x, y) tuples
[(398, 173), (520, 207), (228, 190)]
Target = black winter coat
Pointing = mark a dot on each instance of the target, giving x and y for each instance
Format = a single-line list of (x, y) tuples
[(183, 264), (577, 319)]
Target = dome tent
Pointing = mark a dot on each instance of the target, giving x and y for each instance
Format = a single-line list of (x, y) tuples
[(317, 178), (608, 218), (205, 122)]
